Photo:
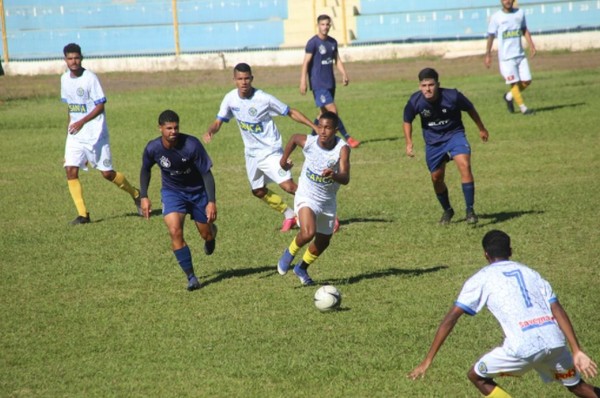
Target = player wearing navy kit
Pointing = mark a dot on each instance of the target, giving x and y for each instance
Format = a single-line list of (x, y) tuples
[(87, 132), (441, 110), (326, 166), (321, 53), (534, 323), (509, 25), (254, 111), (188, 187)]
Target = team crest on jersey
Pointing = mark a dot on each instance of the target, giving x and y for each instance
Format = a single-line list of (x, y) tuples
[(426, 113), (80, 92), (106, 163), (281, 172), (252, 111), (165, 162), (322, 49), (444, 110), (331, 163), (482, 368)]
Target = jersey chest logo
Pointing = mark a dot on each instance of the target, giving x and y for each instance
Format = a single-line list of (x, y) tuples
[(165, 162)]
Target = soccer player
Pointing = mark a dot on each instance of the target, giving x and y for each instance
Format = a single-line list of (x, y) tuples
[(534, 323), (254, 111), (326, 166), (87, 133), (188, 187), (508, 25), (321, 53), (444, 133)]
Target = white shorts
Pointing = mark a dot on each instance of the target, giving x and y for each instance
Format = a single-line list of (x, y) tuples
[(325, 215), (97, 155), (515, 70), (552, 365), (262, 171)]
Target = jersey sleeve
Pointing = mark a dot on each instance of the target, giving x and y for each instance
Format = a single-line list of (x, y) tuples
[(202, 160), (409, 111), (225, 113), (492, 26), (471, 298), (276, 107), (464, 104), (546, 290), (310, 46), (96, 92), (147, 163)]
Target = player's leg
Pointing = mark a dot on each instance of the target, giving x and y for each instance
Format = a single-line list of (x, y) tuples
[(208, 231), (585, 390), (174, 212), (308, 228), (324, 225), (461, 154), (74, 159), (436, 157), (493, 364), (486, 386), (524, 82)]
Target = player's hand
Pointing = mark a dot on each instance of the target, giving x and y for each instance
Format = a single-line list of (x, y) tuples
[(211, 212), (146, 206), (484, 135), (532, 52), (302, 88), (207, 137), (328, 173), (488, 60), (287, 165), (75, 127), (345, 80), (409, 151), (585, 365), (419, 371)]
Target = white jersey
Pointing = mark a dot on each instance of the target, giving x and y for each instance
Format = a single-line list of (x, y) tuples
[(508, 29), (311, 183), (254, 117), (520, 300), (82, 94)]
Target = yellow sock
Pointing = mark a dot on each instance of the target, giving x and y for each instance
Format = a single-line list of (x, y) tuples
[(498, 393), (77, 194), (516, 93), (274, 201), (123, 184), (293, 249), (309, 258)]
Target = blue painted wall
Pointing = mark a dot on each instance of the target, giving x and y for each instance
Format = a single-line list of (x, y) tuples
[(415, 20), (108, 27)]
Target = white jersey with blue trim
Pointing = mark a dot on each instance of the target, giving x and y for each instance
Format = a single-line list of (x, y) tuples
[(82, 94), (311, 183), (520, 300), (508, 29), (254, 117)]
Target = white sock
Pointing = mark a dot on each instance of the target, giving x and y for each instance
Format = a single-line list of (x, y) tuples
[(523, 108), (508, 96)]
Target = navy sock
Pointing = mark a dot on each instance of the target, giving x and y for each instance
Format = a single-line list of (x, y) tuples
[(184, 258), (469, 192), (342, 129), (444, 199)]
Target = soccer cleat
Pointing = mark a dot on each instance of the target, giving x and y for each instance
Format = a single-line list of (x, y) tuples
[(209, 245), (336, 225), (81, 220), (447, 216), (352, 142), (138, 205), (283, 265), (509, 104), (288, 224), (529, 112), (472, 217), (193, 284), (302, 274)]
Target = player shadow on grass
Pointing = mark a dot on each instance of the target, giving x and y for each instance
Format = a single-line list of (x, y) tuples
[(363, 219), (495, 218), (374, 140), (555, 107), (236, 273), (384, 273)]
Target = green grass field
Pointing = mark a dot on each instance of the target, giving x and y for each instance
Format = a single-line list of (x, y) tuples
[(101, 310)]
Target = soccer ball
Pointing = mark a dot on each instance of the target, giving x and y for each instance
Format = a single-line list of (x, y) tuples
[(327, 298)]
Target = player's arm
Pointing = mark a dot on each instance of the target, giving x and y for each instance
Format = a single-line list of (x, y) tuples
[(304, 76), (295, 140), (442, 333), (340, 66), (209, 186), (532, 50), (299, 117), (212, 130), (483, 133), (408, 138), (78, 125), (488, 50), (145, 174), (343, 174), (583, 363)]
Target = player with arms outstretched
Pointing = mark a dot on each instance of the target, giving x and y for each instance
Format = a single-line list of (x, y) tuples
[(326, 166), (534, 323)]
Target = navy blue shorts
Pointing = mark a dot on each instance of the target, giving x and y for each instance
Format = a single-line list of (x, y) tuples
[(186, 203), (435, 155), (324, 97)]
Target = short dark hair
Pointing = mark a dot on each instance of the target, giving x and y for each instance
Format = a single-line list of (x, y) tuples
[(242, 67), (331, 116), (323, 17), (428, 73), (496, 244), (71, 48), (168, 116)]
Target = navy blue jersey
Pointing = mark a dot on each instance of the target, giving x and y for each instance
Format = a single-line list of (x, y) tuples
[(320, 68), (181, 167), (441, 119)]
